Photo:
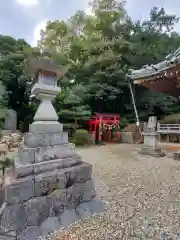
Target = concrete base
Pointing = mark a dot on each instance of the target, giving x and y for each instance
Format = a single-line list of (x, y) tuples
[(153, 152)]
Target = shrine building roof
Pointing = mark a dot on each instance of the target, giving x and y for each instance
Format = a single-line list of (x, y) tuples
[(162, 77)]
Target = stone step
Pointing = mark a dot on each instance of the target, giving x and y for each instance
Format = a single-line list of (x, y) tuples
[(36, 168), (45, 153), (22, 189), (33, 140), (46, 127)]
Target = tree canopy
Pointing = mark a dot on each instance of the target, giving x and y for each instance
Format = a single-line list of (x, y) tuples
[(99, 49)]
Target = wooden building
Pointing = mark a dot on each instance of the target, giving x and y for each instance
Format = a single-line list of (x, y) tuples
[(163, 77)]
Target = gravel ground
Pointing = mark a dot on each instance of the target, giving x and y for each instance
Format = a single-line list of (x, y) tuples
[(142, 196)]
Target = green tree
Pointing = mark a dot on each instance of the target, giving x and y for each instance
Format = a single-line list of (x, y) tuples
[(70, 106), (13, 76), (99, 49), (151, 41), (95, 51)]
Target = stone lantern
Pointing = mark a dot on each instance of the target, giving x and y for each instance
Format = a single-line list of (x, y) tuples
[(151, 139), (49, 186), (45, 71)]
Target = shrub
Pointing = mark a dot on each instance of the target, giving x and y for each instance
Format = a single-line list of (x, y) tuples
[(171, 119), (124, 122), (81, 137)]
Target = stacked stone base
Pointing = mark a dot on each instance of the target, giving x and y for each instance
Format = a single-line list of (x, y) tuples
[(49, 186), (51, 206), (153, 152)]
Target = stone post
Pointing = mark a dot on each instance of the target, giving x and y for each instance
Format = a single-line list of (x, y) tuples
[(151, 139)]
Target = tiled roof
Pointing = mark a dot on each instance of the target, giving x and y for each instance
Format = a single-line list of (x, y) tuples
[(149, 70)]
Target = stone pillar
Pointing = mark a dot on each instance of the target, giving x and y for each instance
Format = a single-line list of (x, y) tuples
[(151, 139), (49, 186), (10, 123)]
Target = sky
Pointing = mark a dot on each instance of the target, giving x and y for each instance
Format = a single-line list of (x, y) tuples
[(25, 18)]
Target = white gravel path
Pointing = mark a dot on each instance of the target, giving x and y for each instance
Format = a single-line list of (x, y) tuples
[(142, 195)]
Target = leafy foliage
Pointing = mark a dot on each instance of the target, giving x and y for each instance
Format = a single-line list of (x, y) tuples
[(81, 137), (70, 105), (171, 119), (98, 50), (13, 77)]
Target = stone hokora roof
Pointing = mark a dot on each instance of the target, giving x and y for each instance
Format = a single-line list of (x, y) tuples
[(170, 61)]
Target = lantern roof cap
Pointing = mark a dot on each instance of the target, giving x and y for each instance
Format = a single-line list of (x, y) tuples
[(35, 64)]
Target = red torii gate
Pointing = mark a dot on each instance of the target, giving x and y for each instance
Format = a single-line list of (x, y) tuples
[(103, 120)]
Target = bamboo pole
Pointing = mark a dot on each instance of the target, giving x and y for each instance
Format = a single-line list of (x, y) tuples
[(134, 105)]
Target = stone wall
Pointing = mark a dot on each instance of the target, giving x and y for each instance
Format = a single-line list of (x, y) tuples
[(127, 137)]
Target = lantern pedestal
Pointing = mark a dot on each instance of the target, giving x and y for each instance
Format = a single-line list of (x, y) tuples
[(45, 94), (151, 139)]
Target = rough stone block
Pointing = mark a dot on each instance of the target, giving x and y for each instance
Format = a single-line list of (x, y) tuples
[(153, 152), (13, 219), (19, 190), (84, 210), (37, 210), (95, 206), (71, 161), (58, 138), (56, 164), (53, 152), (11, 235), (34, 140), (49, 226), (80, 173), (27, 155), (1, 190), (61, 180), (30, 233), (47, 166), (6, 237), (68, 217), (88, 191), (58, 201), (22, 170), (74, 196), (45, 183), (45, 127), (10, 122)]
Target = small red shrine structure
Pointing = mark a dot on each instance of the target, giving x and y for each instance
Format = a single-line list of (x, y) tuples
[(102, 125)]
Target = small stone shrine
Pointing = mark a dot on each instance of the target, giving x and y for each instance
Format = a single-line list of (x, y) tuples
[(10, 122), (49, 186), (151, 139)]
